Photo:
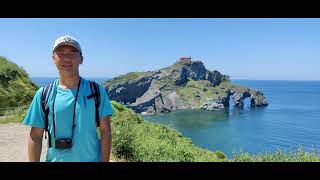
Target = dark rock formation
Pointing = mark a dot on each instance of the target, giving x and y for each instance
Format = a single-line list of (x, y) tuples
[(257, 98), (184, 85), (212, 105)]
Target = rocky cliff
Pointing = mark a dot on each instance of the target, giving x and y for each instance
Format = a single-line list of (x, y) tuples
[(184, 85)]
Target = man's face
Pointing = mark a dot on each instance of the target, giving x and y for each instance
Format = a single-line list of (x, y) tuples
[(67, 59)]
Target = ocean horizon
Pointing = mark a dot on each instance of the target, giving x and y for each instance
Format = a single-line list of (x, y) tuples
[(41, 81)]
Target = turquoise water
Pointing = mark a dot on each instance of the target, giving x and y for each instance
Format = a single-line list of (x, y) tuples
[(291, 119)]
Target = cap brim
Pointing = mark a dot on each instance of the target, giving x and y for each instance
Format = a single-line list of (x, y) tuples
[(67, 44)]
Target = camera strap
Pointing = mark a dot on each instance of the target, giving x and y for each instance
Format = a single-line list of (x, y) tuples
[(74, 110)]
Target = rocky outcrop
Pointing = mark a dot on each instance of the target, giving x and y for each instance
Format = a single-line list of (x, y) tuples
[(195, 70), (214, 77), (151, 100), (257, 98), (173, 101), (212, 105), (127, 93), (239, 95), (184, 85)]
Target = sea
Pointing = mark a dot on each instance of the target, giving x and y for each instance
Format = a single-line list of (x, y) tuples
[(291, 120)]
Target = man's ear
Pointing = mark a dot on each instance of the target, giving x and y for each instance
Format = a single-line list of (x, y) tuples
[(81, 59), (53, 59)]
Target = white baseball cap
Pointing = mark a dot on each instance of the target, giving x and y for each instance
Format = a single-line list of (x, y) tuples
[(67, 40)]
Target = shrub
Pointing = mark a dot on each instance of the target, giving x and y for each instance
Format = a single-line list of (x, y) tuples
[(137, 140)]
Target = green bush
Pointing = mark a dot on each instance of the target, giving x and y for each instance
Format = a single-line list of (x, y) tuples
[(15, 115), (16, 89), (279, 156), (117, 106), (220, 155), (137, 140)]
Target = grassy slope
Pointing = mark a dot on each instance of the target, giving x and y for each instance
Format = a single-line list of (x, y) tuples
[(16, 89), (189, 91), (137, 140), (127, 77)]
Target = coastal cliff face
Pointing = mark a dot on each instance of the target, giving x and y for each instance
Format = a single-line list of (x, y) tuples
[(184, 85)]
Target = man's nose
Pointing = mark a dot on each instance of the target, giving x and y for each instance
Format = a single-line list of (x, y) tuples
[(67, 57)]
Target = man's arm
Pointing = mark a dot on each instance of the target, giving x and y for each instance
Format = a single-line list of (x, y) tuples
[(35, 144), (105, 138)]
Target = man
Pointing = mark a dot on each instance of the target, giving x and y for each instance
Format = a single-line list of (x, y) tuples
[(72, 115)]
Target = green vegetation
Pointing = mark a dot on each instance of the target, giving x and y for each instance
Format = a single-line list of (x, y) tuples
[(204, 88), (15, 115), (279, 156), (176, 65), (16, 89), (188, 94), (226, 85), (127, 77), (137, 140), (240, 89)]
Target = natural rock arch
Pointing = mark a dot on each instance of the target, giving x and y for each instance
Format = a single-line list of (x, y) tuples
[(256, 97)]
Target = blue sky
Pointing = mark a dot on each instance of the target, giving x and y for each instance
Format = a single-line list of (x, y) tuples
[(275, 49)]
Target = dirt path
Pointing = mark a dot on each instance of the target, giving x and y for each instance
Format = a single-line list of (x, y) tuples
[(14, 143)]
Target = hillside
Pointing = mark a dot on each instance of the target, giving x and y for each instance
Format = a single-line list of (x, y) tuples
[(16, 89)]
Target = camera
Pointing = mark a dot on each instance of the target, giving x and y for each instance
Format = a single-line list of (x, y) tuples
[(63, 143)]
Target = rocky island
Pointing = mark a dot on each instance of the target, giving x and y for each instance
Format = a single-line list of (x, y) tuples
[(186, 84)]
